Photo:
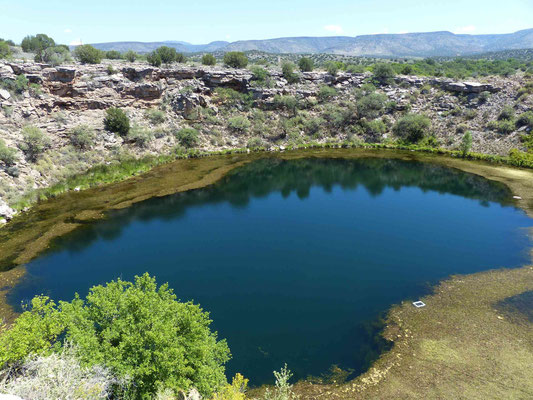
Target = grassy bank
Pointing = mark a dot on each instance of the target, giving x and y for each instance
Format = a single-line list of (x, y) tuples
[(128, 167)]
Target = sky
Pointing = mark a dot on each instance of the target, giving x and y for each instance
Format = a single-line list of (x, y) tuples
[(203, 21)]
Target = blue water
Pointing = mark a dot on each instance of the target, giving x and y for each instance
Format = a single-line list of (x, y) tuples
[(297, 260)]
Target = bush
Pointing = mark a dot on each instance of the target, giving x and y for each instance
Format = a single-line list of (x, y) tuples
[(483, 97), (155, 116), (525, 119), (371, 105), (326, 92), (239, 124), (376, 127), (18, 86), (504, 126), (290, 103), (34, 142), (355, 69), (136, 330), (5, 51), (507, 113), (383, 73), (7, 155), (130, 55), (87, 54), (287, 69), (466, 143), (37, 44), (154, 59), (140, 136), (232, 98), (412, 127), (283, 390), (187, 137), (167, 54), (117, 121), (56, 55), (259, 74), (82, 137), (306, 64), (235, 59), (209, 59), (59, 376), (332, 67), (113, 55)]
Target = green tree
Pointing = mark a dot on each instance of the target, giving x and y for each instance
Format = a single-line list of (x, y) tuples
[(154, 59), (5, 51), (209, 59), (326, 92), (113, 55), (130, 55), (168, 54), (371, 105), (37, 44), (117, 121), (87, 54), (56, 55), (383, 72), (466, 143), (332, 67), (290, 103), (306, 64), (235, 59), (412, 127), (287, 69), (259, 74)]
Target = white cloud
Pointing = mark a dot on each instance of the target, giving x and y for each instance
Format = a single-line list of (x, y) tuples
[(465, 29), (333, 28), (76, 42), (68, 30)]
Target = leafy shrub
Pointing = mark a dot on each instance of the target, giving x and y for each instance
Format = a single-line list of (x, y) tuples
[(287, 69), (525, 119), (306, 64), (232, 98), (167, 54), (239, 123), (375, 127), (87, 54), (355, 69), (34, 142), (136, 330), (56, 55), (18, 86), (326, 92), (110, 69), (254, 142), (339, 117), (483, 97), (59, 376), (140, 136), (507, 113), (259, 74), (235, 391), (313, 125), (187, 137), (290, 103), (504, 126), (130, 55), (235, 59), (117, 121), (371, 105), (209, 59), (82, 137), (155, 116), (7, 155), (37, 44), (5, 51), (332, 68), (113, 55), (383, 72), (154, 59), (412, 127)]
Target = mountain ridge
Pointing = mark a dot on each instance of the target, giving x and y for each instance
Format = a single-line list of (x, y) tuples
[(417, 44)]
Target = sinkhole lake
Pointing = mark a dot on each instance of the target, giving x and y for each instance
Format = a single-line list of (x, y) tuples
[(297, 260)]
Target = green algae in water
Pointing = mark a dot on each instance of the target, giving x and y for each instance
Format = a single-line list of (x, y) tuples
[(296, 259)]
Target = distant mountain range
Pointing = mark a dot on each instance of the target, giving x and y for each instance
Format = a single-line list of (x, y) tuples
[(428, 44)]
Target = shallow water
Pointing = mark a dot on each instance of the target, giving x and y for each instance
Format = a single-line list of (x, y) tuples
[(297, 259)]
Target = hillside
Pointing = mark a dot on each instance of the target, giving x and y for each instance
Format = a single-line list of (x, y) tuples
[(426, 44)]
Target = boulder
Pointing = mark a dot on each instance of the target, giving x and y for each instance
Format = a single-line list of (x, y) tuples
[(6, 212), (4, 94)]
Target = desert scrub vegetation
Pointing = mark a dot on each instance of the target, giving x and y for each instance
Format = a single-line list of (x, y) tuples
[(87, 54), (140, 135), (306, 64), (8, 155), (117, 121), (155, 116), (209, 59), (287, 70), (412, 127), (239, 123), (130, 56), (187, 137), (137, 330), (82, 137), (34, 142), (235, 59)]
